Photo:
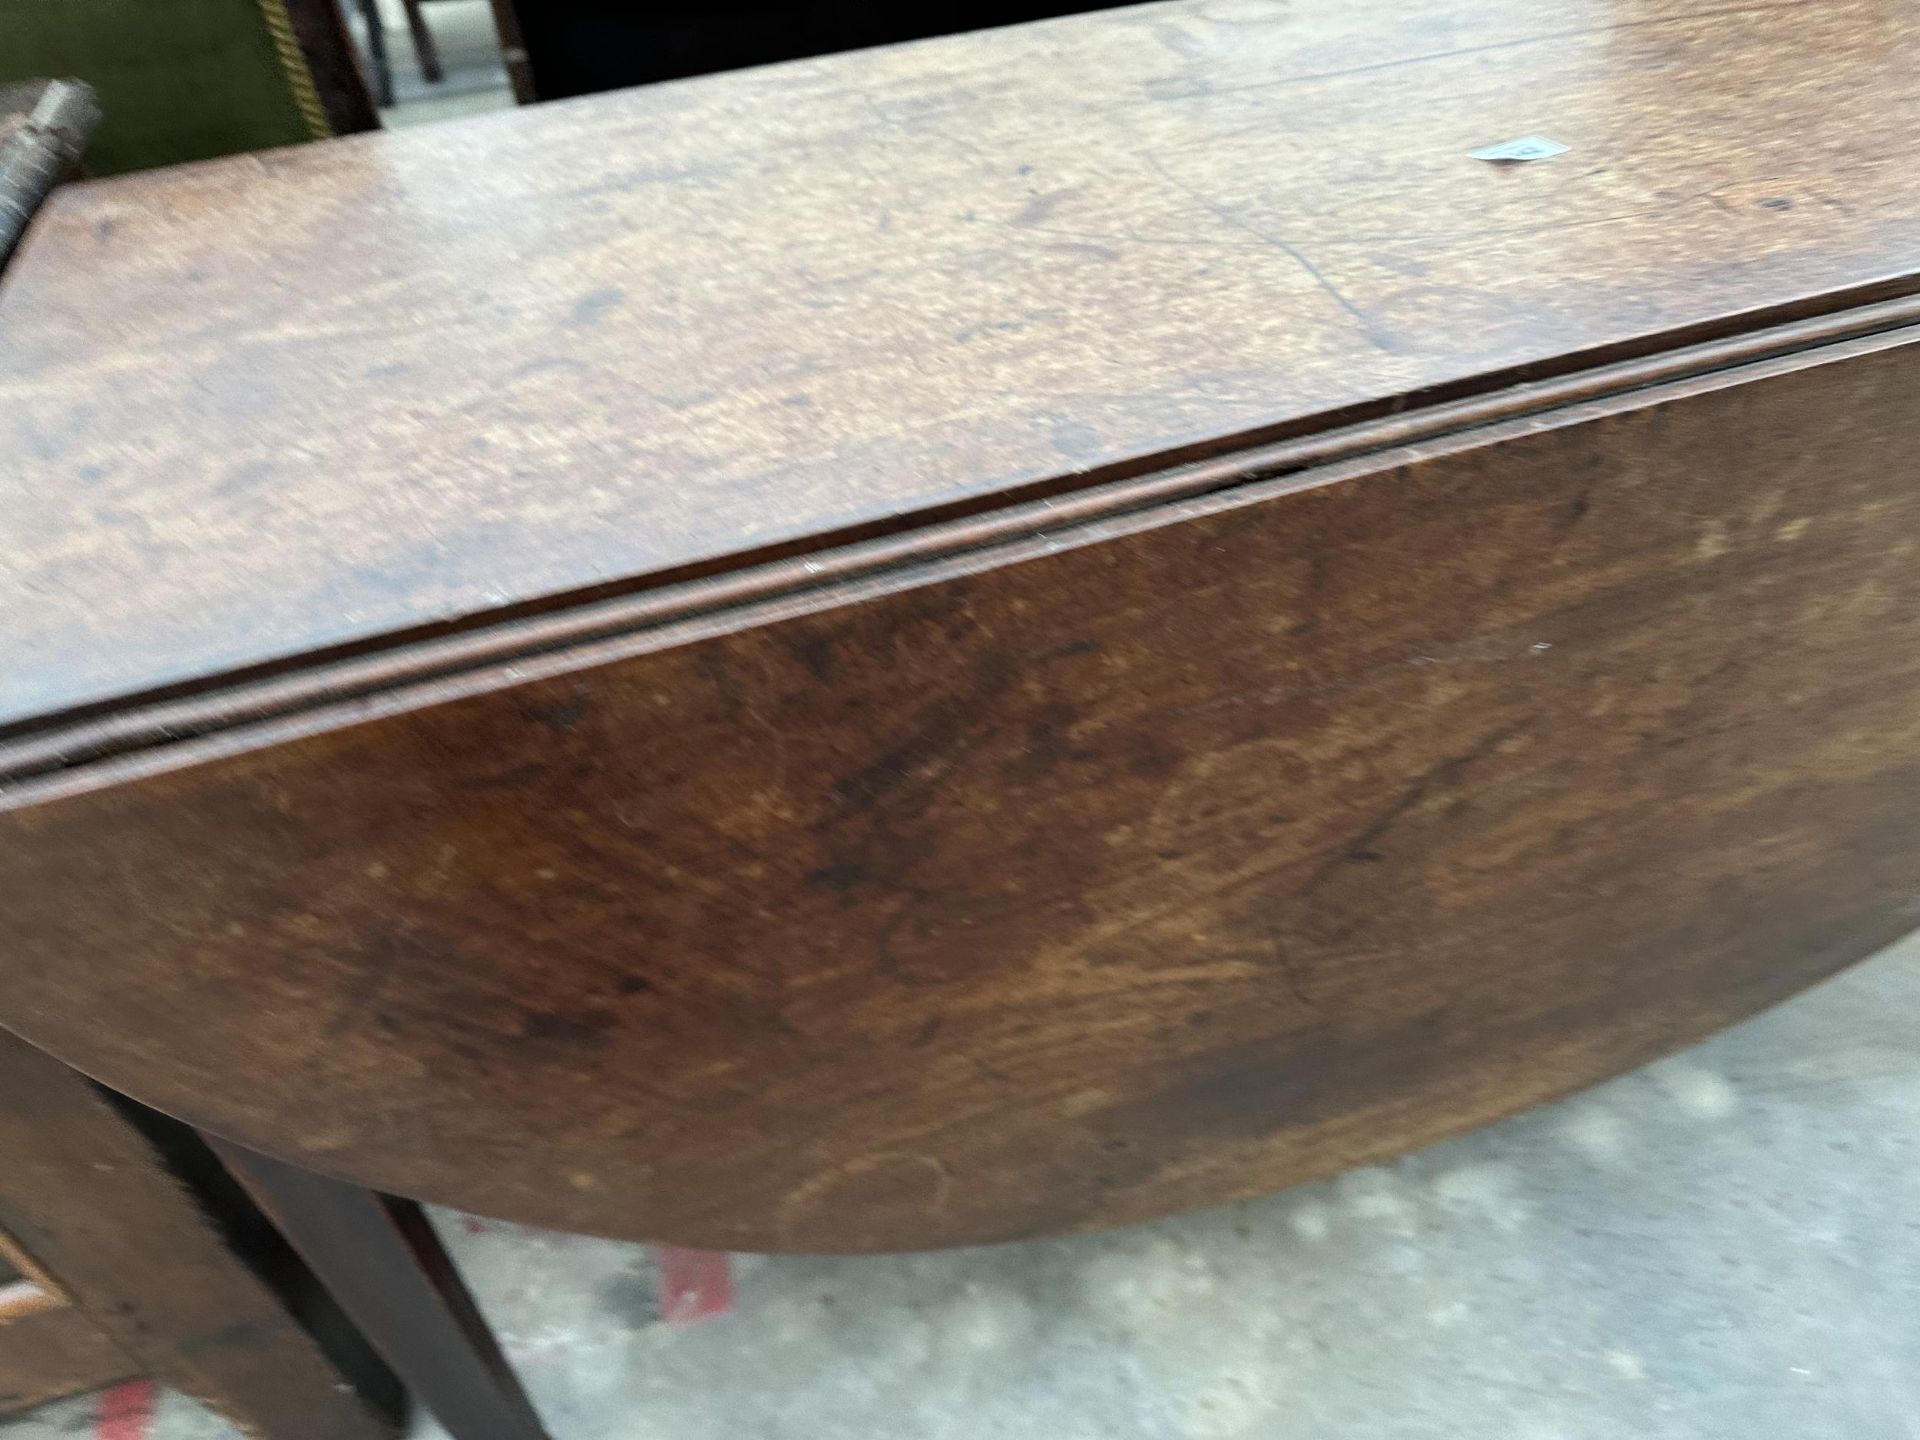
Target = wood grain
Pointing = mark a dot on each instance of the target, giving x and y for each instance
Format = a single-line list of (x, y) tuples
[(473, 659), (153, 1283), (1168, 859), (261, 407)]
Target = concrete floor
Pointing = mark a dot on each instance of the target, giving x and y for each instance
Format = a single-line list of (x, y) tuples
[(1721, 1246)]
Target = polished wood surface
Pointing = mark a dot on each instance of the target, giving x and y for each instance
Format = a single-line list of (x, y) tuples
[(1119, 867), (1051, 627), (307, 399)]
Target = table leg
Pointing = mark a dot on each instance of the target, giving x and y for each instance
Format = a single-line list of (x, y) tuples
[(423, 47), (377, 53), (379, 1257)]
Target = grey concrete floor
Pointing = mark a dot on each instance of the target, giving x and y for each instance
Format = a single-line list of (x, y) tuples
[(1726, 1244)]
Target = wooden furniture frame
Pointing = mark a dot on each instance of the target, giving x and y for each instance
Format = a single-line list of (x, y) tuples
[(130, 1268), (968, 641), (389, 1271)]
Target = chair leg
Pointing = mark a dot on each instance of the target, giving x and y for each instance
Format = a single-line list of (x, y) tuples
[(423, 46), (377, 53), (382, 1262)]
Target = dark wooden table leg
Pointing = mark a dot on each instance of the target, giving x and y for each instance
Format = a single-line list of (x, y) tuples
[(136, 1255), (424, 49), (377, 53), (381, 1260)]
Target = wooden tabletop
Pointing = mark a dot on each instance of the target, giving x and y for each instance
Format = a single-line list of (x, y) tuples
[(279, 403), (1047, 860)]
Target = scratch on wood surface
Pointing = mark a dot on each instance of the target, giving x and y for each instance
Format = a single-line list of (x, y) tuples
[(1240, 222)]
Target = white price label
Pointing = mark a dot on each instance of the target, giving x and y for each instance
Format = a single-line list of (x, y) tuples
[(1531, 147)]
